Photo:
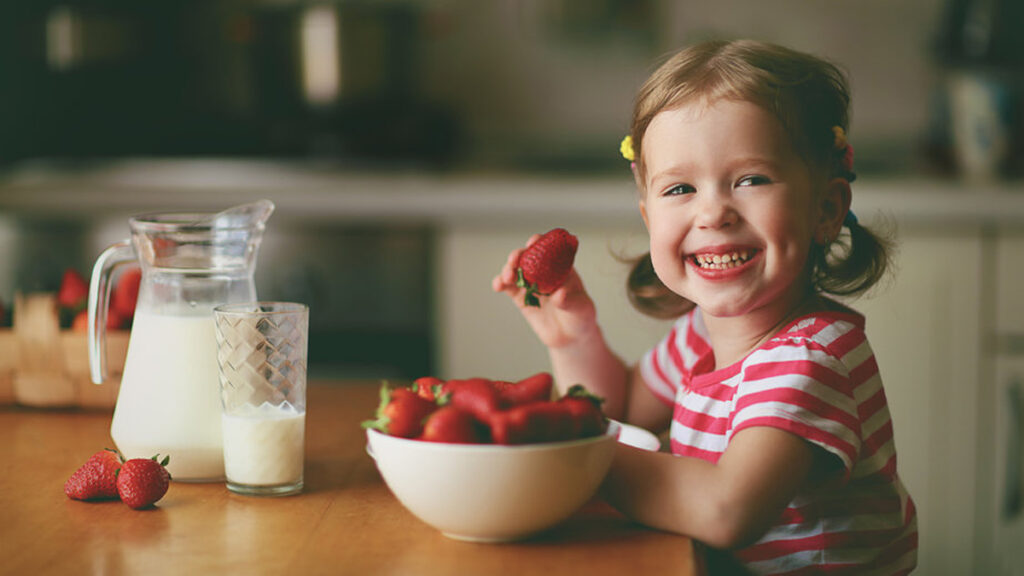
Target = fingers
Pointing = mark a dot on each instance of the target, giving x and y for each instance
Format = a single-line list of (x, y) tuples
[(505, 281)]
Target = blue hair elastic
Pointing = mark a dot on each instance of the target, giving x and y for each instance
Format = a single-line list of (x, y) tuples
[(850, 219)]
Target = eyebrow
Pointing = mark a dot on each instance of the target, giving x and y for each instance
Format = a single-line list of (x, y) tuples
[(661, 178), (757, 161), (679, 171)]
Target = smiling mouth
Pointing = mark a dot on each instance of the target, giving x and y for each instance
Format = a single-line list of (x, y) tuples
[(722, 261)]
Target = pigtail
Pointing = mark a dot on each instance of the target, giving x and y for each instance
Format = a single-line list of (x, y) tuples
[(650, 296), (852, 265)]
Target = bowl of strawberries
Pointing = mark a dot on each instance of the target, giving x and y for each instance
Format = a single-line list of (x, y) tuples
[(488, 460)]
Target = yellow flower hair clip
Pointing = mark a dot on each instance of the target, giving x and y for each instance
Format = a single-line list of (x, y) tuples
[(626, 148), (840, 137)]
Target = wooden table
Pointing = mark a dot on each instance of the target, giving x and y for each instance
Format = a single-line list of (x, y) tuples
[(345, 522)]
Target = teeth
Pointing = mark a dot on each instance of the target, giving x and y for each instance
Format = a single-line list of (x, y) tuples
[(722, 261)]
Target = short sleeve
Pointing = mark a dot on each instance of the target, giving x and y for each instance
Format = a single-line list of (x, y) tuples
[(670, 364), (797, 385), (660, 375)]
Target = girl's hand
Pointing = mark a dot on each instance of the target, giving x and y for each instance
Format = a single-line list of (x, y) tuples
[(565, 317)]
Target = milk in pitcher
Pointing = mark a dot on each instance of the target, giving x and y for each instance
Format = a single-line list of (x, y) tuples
[(169, 402)]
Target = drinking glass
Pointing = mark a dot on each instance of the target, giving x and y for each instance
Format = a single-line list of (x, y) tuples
[(261, 354)]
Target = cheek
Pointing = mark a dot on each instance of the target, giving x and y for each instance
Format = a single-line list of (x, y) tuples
[(789, 230), (666, 246)]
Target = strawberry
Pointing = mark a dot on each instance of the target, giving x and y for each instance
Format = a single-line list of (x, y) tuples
[(478, 396), (401, 412), (545, 264), (126, 293), (453, 425), (531, 389), (142, 482), (74, 290), (585, 412), (427, 387), (97, 478), (531, 423)]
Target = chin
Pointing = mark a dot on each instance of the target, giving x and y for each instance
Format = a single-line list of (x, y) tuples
[(721, 310), (726, 303)]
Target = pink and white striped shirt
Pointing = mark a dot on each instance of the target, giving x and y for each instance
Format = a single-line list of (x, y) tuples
[(817, 378)]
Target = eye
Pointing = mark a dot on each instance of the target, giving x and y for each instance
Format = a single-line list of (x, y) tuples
[(755, 180), (679, 189)]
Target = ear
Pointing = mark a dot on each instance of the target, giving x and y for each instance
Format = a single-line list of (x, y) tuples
[(834, 205)]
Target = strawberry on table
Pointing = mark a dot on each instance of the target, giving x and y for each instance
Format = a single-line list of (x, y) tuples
[(453, 425), (545, 265), (401, 412), (96, 479), (142, 482)]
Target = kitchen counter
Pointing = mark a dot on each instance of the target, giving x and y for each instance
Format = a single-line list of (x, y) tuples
[(310, 191), (345, 522)]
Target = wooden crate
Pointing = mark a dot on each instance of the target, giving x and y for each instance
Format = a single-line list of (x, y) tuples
[(44, 366)]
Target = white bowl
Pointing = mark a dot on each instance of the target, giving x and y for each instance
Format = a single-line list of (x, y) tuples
[(638, 438), (488, 492)]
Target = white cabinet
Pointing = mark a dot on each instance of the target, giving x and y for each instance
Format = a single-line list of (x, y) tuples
[(925, 328), (1001, 502)]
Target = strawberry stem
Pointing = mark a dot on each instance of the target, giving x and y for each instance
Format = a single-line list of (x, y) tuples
[(530, 299), (580, 391), (380, 423)]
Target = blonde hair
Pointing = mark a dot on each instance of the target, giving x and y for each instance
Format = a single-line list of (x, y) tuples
[(809, 96)]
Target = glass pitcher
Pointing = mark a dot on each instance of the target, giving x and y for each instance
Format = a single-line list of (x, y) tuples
[(169, 401)]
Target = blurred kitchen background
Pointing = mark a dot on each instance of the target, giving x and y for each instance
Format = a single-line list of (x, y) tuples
[(411, 144)]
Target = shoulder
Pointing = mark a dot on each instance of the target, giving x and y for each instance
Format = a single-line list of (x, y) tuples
[(832, 335), (819, 354), (804, 380)]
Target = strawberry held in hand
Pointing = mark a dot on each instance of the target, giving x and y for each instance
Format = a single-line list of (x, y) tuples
[(97, 478), (546, 264), (141, 482)]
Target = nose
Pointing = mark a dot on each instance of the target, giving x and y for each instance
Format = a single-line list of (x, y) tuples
[(715, 209)]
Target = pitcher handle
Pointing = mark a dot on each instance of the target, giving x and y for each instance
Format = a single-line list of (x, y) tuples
[(99, 303)]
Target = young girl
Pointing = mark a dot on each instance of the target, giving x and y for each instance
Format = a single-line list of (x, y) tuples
[(782, 444)]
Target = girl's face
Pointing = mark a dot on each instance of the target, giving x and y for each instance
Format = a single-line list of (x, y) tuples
[(731, 208)]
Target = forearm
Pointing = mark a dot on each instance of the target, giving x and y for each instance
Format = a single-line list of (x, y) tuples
[(726, 504), (668, 493), (590, 362)]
